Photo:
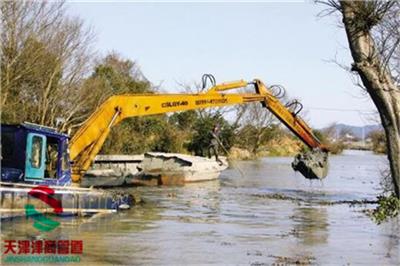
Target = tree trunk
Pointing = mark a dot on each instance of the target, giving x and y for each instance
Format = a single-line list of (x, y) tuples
[(378, 82), (393, 150)]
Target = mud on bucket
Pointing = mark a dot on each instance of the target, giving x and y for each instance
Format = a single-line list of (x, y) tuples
[(311, 164)]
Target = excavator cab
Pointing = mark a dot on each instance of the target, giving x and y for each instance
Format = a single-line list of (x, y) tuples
[(34, 154)]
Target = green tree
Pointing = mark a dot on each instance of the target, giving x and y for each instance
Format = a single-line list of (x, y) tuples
[(184, 120), (202, 128), (116, 75)]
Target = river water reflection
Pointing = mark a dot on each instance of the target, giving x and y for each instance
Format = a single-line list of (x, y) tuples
[(271, 215)]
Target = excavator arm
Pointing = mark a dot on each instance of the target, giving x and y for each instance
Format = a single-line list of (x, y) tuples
[(89, 139)]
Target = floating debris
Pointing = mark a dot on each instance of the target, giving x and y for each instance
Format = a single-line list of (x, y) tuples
[(279, 196), (298, 260)]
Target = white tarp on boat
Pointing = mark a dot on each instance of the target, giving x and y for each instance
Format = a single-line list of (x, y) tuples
[(153, 168), (190, 168)]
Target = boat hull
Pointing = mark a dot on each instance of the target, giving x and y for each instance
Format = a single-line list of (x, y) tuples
[(72, 201)]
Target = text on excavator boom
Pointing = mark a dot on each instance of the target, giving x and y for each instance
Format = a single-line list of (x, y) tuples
[(88, 140)]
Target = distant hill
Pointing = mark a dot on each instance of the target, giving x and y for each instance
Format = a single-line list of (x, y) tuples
[(356, 131)]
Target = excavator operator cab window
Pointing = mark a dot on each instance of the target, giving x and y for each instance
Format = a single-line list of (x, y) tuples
[(52, 151), (65, 166), (35, 156), (36, 152)]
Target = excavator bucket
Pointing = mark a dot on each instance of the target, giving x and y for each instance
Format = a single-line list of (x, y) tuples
[(312, 164)]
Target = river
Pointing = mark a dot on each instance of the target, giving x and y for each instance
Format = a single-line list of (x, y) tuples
[(270, 215)]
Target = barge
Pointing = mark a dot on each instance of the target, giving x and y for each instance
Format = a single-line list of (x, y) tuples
[(36, 170)]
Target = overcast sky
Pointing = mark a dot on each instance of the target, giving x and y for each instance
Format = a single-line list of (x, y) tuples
[(280, 43)]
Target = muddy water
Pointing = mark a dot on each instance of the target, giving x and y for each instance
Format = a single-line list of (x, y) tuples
[(271, 215)]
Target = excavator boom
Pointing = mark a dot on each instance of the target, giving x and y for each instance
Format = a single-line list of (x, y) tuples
[(88, 140)]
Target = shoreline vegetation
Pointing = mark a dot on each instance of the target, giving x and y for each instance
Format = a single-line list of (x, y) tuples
[(280, 146), (290, 146)]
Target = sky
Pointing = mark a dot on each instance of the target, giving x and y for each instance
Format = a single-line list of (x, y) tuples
[(284, 43)]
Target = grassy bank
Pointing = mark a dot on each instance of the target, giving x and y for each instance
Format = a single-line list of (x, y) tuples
[(282, 146)]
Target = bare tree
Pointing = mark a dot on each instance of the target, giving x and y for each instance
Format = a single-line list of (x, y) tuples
[(373, 33), (206, 112), (255, 120), (45, 55)]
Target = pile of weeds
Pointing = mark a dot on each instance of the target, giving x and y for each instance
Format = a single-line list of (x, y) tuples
[(388, 207)]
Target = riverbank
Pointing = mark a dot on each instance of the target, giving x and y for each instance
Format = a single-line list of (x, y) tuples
[(277, 147)]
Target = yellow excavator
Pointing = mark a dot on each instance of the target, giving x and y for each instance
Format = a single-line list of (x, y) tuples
[(88, 140)]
